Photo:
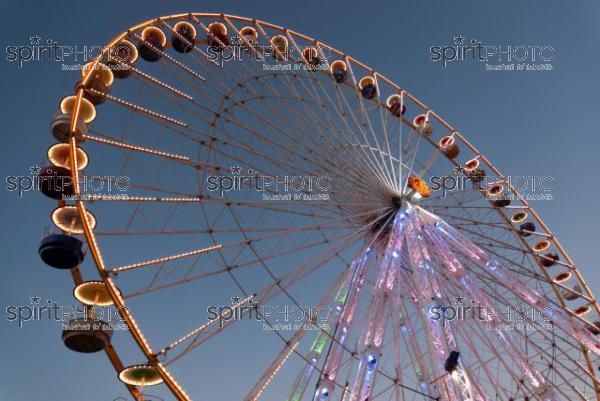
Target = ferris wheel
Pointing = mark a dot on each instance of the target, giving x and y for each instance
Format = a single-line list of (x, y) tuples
[(211, 168)]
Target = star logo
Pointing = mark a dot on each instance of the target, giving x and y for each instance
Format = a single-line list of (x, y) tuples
[(35, 299), (35, 40), (35, 170), (458, 169), (459, 40), (236, 169), (235, 299), (459, 299)]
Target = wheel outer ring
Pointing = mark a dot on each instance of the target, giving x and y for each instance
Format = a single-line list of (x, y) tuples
[(175, 388)]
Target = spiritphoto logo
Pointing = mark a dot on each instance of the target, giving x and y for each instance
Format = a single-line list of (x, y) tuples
[(38, 49), (38, 309), (91, 186), (279, 187), (513, 57), (303, 57), (280, 317), (530, 187), (508, 317)]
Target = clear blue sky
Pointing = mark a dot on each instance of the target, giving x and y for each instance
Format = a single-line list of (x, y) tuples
[(527, 123)]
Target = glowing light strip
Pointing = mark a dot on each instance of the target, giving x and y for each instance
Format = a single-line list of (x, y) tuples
[(135, 147), (165, 259), (159, 82), (165, 55), (274, 373), (199, 329), (138, 108)]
